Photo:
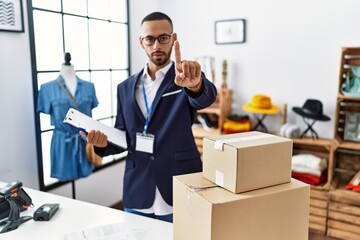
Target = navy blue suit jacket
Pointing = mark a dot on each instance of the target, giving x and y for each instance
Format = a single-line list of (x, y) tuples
[(174, 153)]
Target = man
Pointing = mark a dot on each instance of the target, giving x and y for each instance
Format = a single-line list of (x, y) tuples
[(156, 108)]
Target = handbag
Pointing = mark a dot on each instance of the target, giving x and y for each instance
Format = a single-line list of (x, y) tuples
[(91, 156)]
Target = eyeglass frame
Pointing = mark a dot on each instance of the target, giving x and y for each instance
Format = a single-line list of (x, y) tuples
[(157, 38)]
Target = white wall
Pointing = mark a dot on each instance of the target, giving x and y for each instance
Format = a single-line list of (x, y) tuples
[(18, 145), (18, 159), (292, 53)]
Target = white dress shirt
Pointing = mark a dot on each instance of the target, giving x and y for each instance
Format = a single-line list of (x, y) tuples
[(159, 207)]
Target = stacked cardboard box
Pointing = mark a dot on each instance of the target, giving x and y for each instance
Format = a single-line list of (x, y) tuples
[(244, 192), (344, 214), (247, 161)]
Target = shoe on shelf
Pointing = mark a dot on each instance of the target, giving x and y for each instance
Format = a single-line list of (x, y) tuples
[(196, 124), (354, 183), (356, 189), (205, 122)]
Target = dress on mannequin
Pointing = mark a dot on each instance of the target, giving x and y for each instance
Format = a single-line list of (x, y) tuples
[(67, 151)]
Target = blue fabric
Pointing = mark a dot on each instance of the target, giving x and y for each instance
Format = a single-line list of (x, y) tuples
[(68, 157), (175, 151), (166, 218), (351, 87)]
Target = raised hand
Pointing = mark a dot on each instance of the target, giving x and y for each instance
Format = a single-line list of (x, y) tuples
[(188, 73)]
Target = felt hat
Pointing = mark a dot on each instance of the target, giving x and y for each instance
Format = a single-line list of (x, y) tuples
[(313, 109), (260, 104)]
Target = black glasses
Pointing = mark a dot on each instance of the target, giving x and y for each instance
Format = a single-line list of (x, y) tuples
[(150, 40)]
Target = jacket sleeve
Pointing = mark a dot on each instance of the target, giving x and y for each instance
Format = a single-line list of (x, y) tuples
[(119, 123), (205, 97)]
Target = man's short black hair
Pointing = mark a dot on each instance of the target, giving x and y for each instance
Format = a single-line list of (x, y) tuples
[(157, 16)]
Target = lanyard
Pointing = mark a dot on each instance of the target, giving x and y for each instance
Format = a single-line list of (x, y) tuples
[(148, 110)]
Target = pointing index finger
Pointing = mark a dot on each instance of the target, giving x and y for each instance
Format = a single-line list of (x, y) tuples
[(177, 52)]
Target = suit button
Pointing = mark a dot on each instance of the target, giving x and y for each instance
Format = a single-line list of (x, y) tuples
[(130, 151), (151, 157)]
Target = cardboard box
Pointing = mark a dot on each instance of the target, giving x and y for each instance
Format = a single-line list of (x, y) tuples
[(204, 211), (247, 161)]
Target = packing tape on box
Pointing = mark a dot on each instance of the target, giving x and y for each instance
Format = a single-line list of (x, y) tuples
[(190, 193), (219, 178), (193, 189), (219, 144), (197, 188)]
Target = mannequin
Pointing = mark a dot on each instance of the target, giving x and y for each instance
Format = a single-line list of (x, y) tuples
[(67, 150), (67, 71)]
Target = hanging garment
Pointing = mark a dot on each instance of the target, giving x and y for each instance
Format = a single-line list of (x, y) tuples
[(67, 151)]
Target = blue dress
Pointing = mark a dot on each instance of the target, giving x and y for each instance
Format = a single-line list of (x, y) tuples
[(68, 157)]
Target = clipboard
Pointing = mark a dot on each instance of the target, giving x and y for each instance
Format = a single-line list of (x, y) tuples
[(79, 120)]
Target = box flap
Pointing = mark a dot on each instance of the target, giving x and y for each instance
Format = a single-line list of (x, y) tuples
[(217, 195), (220, 195), (247, 139), (195, 181)]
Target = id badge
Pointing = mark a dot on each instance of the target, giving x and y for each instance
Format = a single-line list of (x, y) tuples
[(145, 142)]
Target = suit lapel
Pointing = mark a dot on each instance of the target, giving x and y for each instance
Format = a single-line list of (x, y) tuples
[(133, 99)]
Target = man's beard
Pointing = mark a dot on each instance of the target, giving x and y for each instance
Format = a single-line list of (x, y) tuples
[(159, 62)]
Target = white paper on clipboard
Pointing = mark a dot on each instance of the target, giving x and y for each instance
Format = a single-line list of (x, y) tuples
[(79, 120)]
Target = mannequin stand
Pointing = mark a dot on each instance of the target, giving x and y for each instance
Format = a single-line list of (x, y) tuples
[(310, 123), (260, 126)]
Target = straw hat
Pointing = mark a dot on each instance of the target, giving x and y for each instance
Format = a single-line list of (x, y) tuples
[(260, 104)]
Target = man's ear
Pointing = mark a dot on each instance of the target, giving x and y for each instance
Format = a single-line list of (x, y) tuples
[(140, 41)]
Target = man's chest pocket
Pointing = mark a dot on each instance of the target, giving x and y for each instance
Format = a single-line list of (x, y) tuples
[(173, 93)]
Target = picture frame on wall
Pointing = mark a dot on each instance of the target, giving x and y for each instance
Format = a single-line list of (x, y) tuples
[(232, 31), (11, 16)]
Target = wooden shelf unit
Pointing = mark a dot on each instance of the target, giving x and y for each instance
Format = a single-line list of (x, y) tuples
[(344, 213), (219, 110), (346, 104), (319, 194), (344, 205), (323, 148)]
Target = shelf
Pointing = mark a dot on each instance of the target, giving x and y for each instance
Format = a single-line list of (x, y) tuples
[(334, 210), (324, 187), (220, 110), (310, 141), (200, 132), (323, 148), (343, 97), (347, 145), (345, 196), (214, 109), (346, 106), (344, 214)]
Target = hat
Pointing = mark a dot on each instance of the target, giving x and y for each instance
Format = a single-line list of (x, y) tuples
[(313, 109), (260, 104)]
